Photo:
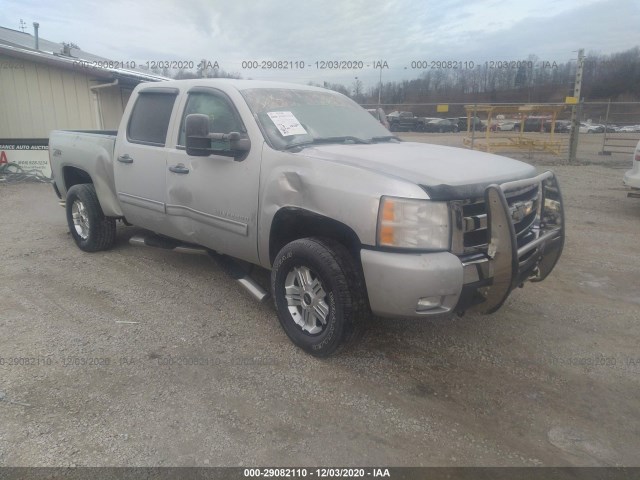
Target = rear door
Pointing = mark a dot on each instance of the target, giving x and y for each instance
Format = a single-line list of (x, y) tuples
[(140, 158)]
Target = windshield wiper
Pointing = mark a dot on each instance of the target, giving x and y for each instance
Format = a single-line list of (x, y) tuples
[(346, 138), (385, 138)]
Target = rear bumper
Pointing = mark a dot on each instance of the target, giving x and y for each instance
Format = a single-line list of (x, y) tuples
[(413, 285), (631, 178)]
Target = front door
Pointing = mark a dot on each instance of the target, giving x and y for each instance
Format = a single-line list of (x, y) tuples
[(216, 195)]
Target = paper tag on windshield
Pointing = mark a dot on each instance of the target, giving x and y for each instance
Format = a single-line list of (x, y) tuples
[(286, 123)]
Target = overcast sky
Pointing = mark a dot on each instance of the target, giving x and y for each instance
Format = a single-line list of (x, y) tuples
[(395, 31)]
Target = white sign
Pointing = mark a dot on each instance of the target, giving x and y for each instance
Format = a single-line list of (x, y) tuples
[(28, 157), (286, 123)]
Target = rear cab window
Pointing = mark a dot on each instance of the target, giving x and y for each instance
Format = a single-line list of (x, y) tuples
[(149, 120)]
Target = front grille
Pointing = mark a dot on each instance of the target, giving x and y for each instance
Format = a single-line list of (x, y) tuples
[(524, 205)]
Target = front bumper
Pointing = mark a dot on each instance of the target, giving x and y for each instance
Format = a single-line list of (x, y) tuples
[(397, 281), (407, 284)]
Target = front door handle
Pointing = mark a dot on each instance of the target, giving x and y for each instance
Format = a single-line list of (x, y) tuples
[(178, 169), (125, 158)]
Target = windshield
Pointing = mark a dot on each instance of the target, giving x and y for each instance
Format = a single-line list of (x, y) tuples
[(290, 117)]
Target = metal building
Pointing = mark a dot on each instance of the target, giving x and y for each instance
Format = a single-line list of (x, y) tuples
[(47, 86)]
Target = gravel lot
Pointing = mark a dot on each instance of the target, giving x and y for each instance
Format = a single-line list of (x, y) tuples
[(551, 379)]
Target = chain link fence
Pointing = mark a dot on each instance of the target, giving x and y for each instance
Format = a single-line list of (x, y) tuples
[(620, 122), (522, 130)]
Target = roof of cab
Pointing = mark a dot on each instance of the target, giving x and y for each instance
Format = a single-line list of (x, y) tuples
[(233, 83)]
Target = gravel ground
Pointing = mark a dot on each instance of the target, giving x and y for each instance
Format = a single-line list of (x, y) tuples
[(142, 357)]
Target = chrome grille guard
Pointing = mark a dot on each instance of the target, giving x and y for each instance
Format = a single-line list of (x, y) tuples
[(510, 265)]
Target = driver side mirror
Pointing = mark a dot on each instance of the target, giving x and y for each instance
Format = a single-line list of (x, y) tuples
[(198, 139)]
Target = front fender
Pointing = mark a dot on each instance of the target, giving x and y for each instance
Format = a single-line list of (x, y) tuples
[(345, 193)]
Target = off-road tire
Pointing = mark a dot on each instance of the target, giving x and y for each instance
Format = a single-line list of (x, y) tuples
[(343, 282), (101, 233)]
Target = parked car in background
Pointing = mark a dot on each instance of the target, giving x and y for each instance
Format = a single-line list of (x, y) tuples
[(532, 124), (590, 128), (403, 122), (561, 126), (464, 125), (507, 125), (422, 121), (378, 114), (631, 178), (629, 129), (439, 125), (456, 121)]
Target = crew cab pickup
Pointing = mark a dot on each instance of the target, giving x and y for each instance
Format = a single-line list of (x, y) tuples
[(403, 121), (304, 182)]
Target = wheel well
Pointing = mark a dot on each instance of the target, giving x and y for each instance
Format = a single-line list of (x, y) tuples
[(74, 176), (290, 224)]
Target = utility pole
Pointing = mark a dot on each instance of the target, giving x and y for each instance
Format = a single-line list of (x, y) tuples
[(380, 87), (577, 109), (473, 119)]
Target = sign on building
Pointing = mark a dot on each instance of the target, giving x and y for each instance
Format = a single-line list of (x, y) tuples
[(32, 154)]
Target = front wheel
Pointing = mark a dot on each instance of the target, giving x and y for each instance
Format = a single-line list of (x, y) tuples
[(89, 227), (319, 295)]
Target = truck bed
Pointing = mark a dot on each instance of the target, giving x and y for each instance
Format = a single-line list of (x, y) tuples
[(76, 154)]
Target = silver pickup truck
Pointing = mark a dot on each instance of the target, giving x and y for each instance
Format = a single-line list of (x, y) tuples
[(304, 182)]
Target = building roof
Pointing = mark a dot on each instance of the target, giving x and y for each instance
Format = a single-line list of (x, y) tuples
[(14, 43)]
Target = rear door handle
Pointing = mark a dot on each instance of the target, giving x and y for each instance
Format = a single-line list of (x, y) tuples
[(125, 158), (178, 169)]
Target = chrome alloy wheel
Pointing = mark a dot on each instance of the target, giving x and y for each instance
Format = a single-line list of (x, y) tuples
[(80, 219), (306, 299)]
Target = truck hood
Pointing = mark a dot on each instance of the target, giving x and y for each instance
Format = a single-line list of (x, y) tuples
[(445, 173)]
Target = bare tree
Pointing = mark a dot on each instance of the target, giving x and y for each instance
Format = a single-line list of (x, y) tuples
[(356, 88)]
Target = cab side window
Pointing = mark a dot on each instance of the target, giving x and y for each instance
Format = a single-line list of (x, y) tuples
[(222, 117), (150, 117)]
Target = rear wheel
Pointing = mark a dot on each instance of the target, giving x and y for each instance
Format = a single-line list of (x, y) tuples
[(89, 227), (319, 295)]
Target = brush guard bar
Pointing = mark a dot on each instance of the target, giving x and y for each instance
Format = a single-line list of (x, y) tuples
[(511, 264)]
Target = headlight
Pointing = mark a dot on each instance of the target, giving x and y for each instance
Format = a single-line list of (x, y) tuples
[(410, 223)]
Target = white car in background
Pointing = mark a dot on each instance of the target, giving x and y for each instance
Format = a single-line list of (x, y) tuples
[(591, 128), (632, 177), (508, 125), (629, 129)]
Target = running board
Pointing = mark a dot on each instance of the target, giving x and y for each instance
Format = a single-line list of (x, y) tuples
[(255, 290), (232, 267), (166, 244)]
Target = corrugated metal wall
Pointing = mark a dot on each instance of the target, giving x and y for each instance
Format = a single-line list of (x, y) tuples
[(37, 98), (112, 103)]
